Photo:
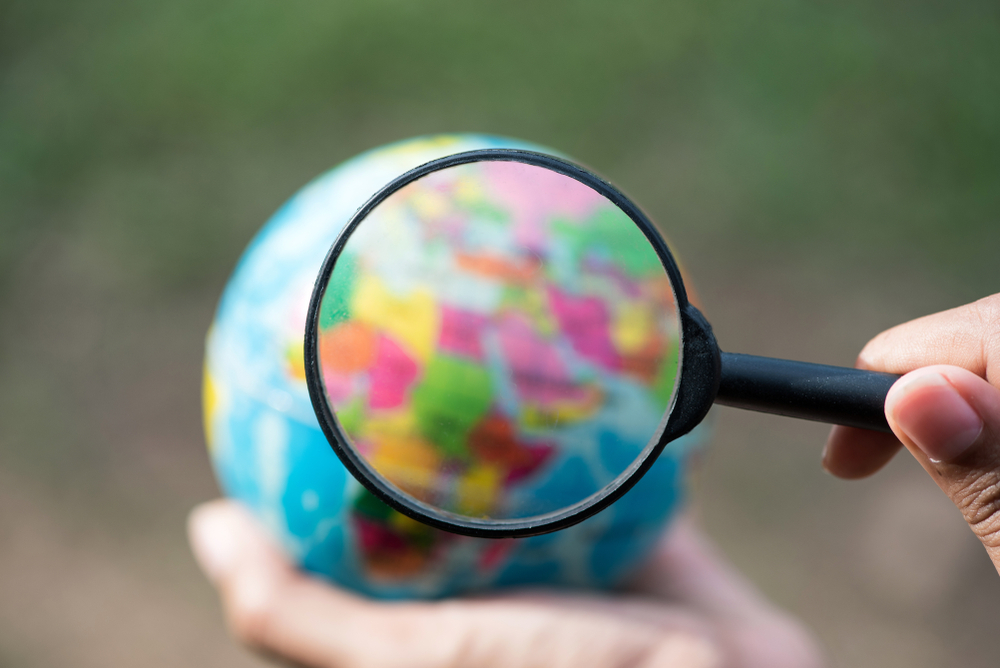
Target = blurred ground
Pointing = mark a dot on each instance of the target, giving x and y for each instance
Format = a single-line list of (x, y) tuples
[(826, 170)]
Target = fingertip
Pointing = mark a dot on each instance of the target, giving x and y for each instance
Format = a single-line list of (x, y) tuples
[(252, 598), (214, 538), (942, 410), (223, 535), (778, 641)]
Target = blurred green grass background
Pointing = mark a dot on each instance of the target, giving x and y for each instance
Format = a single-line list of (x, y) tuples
[(825, 170), (173, 129)]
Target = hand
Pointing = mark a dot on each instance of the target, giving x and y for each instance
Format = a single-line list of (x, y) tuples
[(686, 610), (945, 410)]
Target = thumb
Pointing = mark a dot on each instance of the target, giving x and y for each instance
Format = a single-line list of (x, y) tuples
[(949, 418)]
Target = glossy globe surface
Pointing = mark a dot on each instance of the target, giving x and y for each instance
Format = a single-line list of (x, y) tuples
[(269, 452)]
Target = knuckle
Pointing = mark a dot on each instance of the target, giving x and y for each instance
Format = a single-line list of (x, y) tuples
[(249, 624), (468, 645), (986, 313), (250, 609), (426, 636), (979, 500), (988, 309), (873, 354)]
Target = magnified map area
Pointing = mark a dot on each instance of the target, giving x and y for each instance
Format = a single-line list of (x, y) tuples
[(497, 340)]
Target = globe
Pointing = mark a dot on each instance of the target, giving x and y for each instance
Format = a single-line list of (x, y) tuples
[(269, 452)]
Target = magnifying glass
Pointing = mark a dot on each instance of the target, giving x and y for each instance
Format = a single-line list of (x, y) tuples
[(492, 316)]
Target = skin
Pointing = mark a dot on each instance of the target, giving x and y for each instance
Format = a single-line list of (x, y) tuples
[(685, 608), (945, 411)]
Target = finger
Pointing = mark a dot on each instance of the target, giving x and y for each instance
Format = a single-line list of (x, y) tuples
[(679, 651), (223, 536), (277, 610), (625, 607), (268, 604), (687, 568), (853, 453), (949, 418), (762, 638), (967, 336)]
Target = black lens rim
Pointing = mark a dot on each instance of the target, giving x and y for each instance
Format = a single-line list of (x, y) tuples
[(698, 362)]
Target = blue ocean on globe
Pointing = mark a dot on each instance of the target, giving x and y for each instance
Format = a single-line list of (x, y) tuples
[(269, 453)]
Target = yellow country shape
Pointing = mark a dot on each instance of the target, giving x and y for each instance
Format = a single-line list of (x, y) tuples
[(406, 524), (632, 327), (210, 404), (413, 320), (295, 361), (430, 204), (562, 412), (469, 190), (476, 491), (537, 306), (406, 461), (390, 424)]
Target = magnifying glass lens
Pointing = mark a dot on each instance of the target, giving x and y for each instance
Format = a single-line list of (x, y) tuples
[(498, 341)]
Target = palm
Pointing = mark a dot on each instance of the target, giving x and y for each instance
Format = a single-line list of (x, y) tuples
[(685, 609)]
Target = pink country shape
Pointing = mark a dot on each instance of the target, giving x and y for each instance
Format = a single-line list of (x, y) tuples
[(339, 387), (391, 375), (533, 195), (587, 325), (461, 332), (538, 372)]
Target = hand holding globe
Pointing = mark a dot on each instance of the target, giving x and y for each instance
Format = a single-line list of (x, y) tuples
[(683, 608)]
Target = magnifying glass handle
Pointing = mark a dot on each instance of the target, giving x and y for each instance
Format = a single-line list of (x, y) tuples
[(831, 394)]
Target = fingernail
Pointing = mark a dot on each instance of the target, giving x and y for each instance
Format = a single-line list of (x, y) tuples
[(213, 541), (935, 416), (825, 454)]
